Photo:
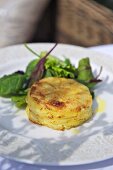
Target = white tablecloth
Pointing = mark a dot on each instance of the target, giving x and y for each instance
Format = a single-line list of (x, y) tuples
[(6, 164)]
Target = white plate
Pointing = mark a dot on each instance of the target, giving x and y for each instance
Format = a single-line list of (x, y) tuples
[(26, 142)]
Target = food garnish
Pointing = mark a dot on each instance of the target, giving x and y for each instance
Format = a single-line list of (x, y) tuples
[(16, 85)]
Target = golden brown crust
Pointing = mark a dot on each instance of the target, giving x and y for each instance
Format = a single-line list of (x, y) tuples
[(59, 101)]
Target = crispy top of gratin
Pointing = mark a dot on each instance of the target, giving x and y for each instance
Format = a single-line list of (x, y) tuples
[(60, 94)]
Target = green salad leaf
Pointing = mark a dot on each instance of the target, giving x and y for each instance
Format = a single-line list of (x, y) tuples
[(85, 70), (30, 68), (19, 101), (11, 84), (85, 74), (16, 85), (59, 68)]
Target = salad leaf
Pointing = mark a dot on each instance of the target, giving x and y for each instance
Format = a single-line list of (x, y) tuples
[(38, 72), (85, 74), (59, 72), (19, 101), (59, 68), (16, 85), (31, 66), (84, 70), (11, 84)]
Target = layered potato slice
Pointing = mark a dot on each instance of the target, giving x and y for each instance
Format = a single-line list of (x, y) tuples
[(59, 103)]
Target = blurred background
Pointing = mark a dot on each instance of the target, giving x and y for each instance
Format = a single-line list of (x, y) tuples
[(80, 22)]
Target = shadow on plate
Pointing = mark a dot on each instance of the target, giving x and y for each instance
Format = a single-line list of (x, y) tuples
[(14, 145)]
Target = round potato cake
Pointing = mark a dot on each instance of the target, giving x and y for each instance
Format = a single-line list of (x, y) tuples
[(59, 103)]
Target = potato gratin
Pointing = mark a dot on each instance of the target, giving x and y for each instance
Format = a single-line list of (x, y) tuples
[(59, 103)]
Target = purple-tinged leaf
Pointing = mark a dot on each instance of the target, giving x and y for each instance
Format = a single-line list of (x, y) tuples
[(38, 72), (99, 72), (96, 80), (19, 72)]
